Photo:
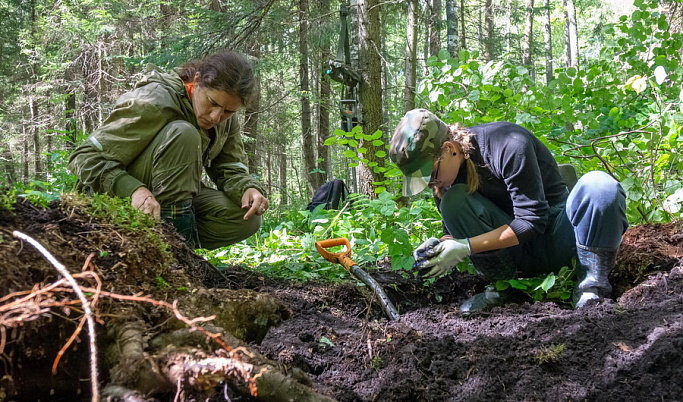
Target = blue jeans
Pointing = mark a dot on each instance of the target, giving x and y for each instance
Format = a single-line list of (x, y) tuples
[(596, 208), (594, 216)]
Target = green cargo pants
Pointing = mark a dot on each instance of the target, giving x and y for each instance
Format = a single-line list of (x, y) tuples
[(171, 168)]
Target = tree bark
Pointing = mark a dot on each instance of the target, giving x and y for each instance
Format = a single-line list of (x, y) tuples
[(548, 45), (71, 126), (410, 56), (282, 180), (452, 27), (370, 92), (25, 154), (33, 103), (8, 171), (323, 112), (323, 107), (308, 143), (435, 28), (35, 138), (251, 121), (508, 28), (571, 34), (463, 43), (528, 34), (488, 30)]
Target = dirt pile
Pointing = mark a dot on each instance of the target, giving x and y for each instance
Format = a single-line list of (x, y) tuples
[(627, 349)]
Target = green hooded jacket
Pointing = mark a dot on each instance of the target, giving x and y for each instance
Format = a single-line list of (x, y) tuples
[(159, 98)]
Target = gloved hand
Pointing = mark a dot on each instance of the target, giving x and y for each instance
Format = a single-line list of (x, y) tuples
[(421, 251), (444, 256)]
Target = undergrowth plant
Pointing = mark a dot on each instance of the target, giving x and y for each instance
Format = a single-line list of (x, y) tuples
[(549, 287), (376, 229), (549, 354)]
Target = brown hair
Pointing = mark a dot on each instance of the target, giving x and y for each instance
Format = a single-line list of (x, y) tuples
[(461, 136), (226, 71)]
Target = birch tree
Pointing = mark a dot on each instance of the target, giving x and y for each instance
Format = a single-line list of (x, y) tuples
[(571, 34), (452, 27)]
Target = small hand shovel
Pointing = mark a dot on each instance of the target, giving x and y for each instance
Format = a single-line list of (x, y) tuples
[(346, 261)]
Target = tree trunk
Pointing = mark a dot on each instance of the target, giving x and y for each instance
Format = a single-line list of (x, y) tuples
[(100, 82), (463, 43), (452, 27), (35, 138), (571, 34), (488, 30), (71, 126), (307, 136), (508, 29), (284, 199), (33, 103), (435, 28), (410, 56), (250, 129), (548, 45), (370, 92), (528, 34), (323, 105), (323, 108), (8, 171), (25, 154)]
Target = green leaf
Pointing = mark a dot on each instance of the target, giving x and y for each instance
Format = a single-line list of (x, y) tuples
[(547, 283)]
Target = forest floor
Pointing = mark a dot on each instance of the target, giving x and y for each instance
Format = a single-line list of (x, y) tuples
[(629, 348)]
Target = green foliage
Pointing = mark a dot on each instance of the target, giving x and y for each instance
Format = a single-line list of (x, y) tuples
[(356, 144), (39, 193), (620, 111), (549, 287), (378, 228), (7, 199)]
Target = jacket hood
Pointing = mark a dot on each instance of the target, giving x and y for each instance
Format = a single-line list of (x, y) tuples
[(175, 87)]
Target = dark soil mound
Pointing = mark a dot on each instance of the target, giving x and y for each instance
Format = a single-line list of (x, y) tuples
[(626, 349)]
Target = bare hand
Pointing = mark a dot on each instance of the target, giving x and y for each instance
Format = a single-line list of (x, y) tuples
[(254, 203), (144, 200)]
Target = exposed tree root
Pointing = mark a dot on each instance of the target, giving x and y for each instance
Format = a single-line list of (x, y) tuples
[(185, 362), (183, 369)]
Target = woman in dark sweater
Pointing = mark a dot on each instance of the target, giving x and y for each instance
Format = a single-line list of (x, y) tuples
[(505, 205)]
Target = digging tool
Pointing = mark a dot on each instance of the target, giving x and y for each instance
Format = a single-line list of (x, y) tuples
[(345, 260)]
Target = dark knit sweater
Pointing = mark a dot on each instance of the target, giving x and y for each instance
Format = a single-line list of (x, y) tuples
[(517, 173)]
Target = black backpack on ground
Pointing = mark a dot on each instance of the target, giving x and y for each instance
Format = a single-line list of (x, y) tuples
[(332, 194)]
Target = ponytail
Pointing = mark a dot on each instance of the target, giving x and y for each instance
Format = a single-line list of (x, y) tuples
[(461, 136)]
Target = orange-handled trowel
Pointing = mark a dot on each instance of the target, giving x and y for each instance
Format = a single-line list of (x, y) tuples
[(345, 260)]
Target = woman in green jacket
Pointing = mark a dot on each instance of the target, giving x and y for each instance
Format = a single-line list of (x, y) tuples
[(153, 145)]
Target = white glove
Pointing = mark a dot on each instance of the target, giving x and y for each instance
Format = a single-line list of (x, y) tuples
[(421, 251), (444, 256)]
